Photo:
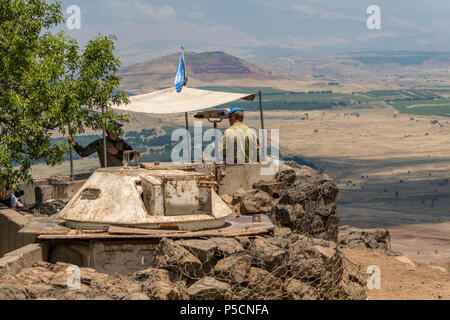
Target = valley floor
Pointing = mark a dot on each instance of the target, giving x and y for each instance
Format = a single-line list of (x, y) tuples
[(402, 280)]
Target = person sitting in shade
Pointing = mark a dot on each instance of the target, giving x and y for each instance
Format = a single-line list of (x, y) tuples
[(115, 147), (10, 198), (243, 140)]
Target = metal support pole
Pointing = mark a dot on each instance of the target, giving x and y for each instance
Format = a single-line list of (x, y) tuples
[(261, 110), (187, 136), (216, 143), (70, 155), (105, 163), (263, 142)]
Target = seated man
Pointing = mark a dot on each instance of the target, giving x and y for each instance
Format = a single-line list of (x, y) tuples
[(115, 147), (244, 140), (10, 198)]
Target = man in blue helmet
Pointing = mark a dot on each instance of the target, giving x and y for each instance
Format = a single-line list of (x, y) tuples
[(240, 140), (115, 147)]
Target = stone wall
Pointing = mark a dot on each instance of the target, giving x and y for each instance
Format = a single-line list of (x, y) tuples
[(300, 198), (60, 187), (119, 256), (308, 204), (25, 257), (283, 265), (10, 238)]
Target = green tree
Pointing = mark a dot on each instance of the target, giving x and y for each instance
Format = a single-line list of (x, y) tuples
[(46, 83)]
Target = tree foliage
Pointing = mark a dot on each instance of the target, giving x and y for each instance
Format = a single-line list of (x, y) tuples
[(46, 83)]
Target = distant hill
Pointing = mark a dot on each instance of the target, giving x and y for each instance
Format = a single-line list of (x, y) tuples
[(361, 63), (203, 68)]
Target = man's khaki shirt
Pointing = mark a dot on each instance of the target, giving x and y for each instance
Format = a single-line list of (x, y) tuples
[(244, 141)]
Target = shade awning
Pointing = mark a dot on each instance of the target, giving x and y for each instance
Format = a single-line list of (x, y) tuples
[(171, 101)]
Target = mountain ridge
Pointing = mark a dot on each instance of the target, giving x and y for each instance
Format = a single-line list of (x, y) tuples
[(204, 68)]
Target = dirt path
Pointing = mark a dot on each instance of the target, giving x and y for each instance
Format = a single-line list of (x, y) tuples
[(401, 280)]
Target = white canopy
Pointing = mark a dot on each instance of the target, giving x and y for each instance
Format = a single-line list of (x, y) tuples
[(171, 101)]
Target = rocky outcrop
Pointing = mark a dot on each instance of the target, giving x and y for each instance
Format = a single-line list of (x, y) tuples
[(300, 198), (286, 265), (376, 238), (308, 204)]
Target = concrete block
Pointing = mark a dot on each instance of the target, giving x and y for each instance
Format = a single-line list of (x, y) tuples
[(10, 224), (30, 254), (44, 193), (14, 217)]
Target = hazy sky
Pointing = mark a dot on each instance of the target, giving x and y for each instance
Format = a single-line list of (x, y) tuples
[(151, 28)]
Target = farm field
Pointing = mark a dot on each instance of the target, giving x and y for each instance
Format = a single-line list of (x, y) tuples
[(410, 101), (424, 107)]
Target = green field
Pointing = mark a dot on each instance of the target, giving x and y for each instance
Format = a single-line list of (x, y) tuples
[(397, 95), (442, 107), (402, 99), (275, 99)]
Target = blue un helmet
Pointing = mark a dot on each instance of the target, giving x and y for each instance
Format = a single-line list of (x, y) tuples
[(234, 110)]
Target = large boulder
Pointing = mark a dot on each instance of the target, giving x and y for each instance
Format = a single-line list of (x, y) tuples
[(352, 285), (286, 215), (265, 284), (227, 246), (317, 262), (297, 290), (174, 257), (153, 274), (204, 250), (288, 176), (158, 284), (271, 254), (209, 288), (233, 269), (257, 202)]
